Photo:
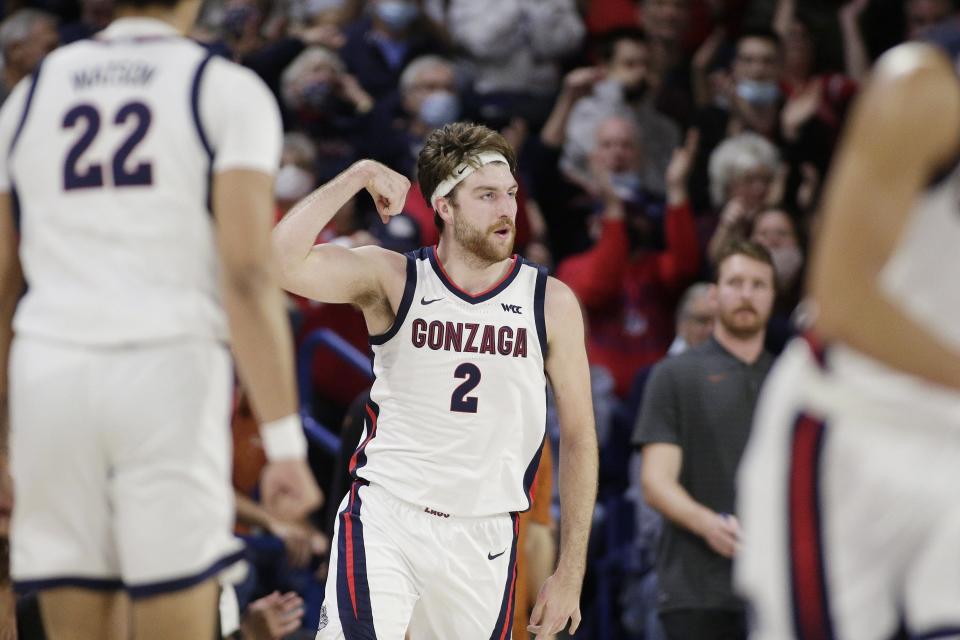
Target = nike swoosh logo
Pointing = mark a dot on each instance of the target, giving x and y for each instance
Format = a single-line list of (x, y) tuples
[(424, 300), (461, 170), (491, 556)]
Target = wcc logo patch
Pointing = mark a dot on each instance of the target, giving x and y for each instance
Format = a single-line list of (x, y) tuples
[(511, 308)]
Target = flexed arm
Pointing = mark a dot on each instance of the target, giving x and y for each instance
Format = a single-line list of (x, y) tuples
[(330, 273)]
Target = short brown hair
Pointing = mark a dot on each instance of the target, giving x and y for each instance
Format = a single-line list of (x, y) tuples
[(746, 248), (449, 146)]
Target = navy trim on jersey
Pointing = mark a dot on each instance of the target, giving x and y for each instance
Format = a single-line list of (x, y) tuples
[(94, 584), (353, 590), (531, 473), (178, 584), (808, 581), (483, 296), (504, 626), (405, 302), (195, 110), (35, 79), (539, 296), (359, 458)]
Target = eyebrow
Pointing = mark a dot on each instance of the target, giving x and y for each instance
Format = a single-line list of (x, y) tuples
[(489, 187)]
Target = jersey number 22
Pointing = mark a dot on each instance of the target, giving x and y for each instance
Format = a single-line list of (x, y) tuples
[(87, 116)]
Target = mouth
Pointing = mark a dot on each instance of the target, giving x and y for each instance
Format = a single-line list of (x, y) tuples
[(503, 233)]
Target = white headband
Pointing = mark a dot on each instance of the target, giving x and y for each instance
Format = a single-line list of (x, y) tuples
[(463, 171)]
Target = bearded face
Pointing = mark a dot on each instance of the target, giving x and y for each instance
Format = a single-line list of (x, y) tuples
[(493, 244), (745, 293)]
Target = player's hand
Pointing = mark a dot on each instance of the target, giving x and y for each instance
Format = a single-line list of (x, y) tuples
[(387, 188), (272, 617), (722, 532), (289, 490), (558, 602)]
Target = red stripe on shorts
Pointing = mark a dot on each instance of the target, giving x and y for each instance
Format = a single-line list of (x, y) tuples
[(811, 614), (348, 527)]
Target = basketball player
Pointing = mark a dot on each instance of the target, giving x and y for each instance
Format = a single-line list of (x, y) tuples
[(857, 438), (120, 380), (464, 336)]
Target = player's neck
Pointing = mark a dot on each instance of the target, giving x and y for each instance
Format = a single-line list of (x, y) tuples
[(181, 16), (746, 349), (467, 271)]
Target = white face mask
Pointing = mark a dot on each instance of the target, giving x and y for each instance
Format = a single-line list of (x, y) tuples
[(292, 183), (787, 262)]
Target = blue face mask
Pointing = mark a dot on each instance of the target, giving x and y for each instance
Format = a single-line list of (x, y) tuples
[(439, 108), (397, 14), (761, 94), (317, 95)]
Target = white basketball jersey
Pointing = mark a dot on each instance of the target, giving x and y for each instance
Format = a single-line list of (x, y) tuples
[(110, 150), (458, 409), (917, 278)]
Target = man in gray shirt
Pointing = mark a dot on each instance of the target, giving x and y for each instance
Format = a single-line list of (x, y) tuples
[(693, 428)]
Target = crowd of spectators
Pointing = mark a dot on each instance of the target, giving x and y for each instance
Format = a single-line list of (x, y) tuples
[(652, 135)]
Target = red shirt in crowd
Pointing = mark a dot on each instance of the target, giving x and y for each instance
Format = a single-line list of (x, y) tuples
[(630, 298)]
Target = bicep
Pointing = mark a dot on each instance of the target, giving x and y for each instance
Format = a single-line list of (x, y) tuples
[(335, 274)]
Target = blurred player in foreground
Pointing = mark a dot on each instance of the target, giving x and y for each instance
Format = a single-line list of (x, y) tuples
[(848, 494), (114, 155)]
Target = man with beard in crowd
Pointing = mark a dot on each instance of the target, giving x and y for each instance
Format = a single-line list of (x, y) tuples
[(693, 427)]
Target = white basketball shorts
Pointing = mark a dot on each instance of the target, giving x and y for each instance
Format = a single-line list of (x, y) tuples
[(397, 566), (850, 517), (121, 465)]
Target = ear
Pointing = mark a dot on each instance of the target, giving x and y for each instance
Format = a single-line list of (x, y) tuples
[(444, 209)]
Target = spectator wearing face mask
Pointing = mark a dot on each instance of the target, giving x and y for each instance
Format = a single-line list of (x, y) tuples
[(514, 49), (381, 43), (748, 98), (625, 90), (247, 32), (429, 97), (776, 230), (327, 103)]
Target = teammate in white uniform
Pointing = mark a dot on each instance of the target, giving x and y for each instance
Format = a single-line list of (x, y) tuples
[(119, 375), (464, 337), (848, 494)]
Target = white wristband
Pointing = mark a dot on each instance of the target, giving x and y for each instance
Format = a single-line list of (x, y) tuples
[(283, 439)]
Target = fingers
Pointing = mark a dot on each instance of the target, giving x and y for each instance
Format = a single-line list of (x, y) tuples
[(575, 621), (388, 189), (537, 614)]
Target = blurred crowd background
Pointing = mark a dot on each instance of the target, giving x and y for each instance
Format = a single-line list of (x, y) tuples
[(650, 134)]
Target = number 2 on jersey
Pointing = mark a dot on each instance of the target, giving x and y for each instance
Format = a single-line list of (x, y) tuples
[(141, 175), (459, 401)]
